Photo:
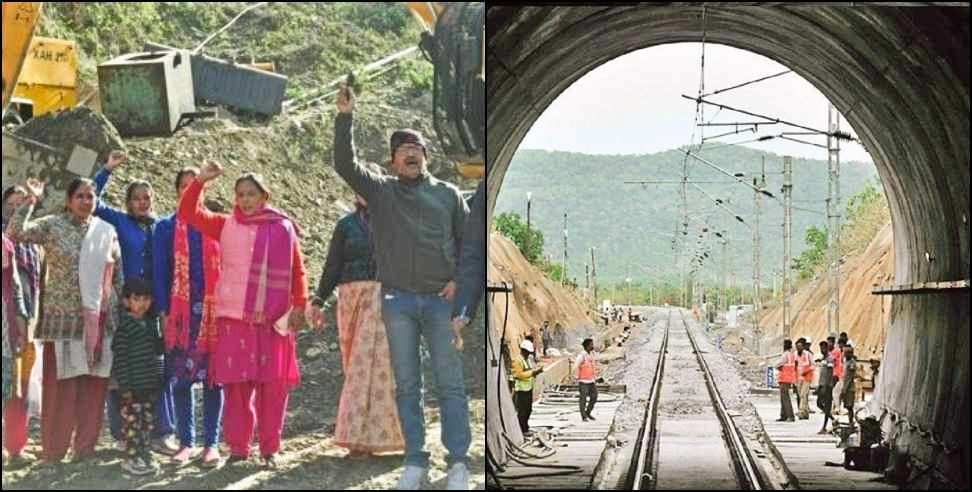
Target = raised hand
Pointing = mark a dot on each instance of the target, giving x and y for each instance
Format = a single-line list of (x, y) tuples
[(210, 170), (35, 188), (345, 99), (115, 159)]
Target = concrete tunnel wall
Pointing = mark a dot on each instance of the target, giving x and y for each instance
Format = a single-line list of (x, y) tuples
[(900, 76)]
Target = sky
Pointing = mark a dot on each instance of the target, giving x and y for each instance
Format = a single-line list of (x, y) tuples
[(633, 105)]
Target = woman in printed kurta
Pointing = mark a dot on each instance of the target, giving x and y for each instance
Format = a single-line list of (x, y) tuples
[(185, 274), (28, 264), (254, 346), (82, 252), (367, 420), (135, 226)]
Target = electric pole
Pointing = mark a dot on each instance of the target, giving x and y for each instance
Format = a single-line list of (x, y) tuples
[(725, 281), (787, 230), (594, 276), (685, 287), (757, 205), (833, 219), (526, 244), (565, 250)]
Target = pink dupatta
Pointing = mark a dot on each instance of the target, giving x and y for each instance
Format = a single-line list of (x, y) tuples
[(268, 292)]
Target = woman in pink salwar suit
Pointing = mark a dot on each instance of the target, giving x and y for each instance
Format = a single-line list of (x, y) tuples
[(261, 295)]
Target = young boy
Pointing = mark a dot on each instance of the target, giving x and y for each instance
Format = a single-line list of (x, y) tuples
[(137, 368)]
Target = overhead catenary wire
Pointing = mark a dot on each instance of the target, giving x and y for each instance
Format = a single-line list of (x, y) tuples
[(746, 83), (721, 205), (699, 115), (727, 173), (836, 134)]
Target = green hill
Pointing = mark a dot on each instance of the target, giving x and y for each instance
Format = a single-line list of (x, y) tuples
[(632, 226)]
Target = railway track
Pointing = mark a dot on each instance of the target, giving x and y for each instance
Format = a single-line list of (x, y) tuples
[(688, 438)]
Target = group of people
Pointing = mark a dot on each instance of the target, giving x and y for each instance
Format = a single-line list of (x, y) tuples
[(134, 312), (835, 385), (550, 337), (525, 369)]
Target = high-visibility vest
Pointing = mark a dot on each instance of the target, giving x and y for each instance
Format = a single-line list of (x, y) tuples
[(587, 370), (788, 371), (804, 366), (525, 384), (838, 362)]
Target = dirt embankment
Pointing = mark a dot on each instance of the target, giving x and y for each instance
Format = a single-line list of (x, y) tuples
[(863, 315), (535, 298)]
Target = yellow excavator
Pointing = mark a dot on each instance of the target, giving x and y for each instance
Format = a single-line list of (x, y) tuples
[(19, 21), (453, 41)]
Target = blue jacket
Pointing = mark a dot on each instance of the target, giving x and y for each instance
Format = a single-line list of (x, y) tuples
[(471, 277), (134, 237), (163, 264)]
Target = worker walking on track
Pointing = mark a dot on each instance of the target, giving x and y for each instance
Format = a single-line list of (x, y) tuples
[(586, 365)]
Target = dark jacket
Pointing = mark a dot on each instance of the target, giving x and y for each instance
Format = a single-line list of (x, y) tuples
[(138, 349), (350, 257), (417, 226), (471, 280)]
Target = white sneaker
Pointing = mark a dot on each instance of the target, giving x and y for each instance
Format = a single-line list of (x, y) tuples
[(167, 445), (458, 477), (413, 478)]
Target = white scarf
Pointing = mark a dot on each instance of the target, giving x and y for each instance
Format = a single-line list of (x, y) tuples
[(95, 273), (95, 265)]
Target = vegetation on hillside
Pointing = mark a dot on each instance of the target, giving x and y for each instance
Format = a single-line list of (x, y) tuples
[(867, 211), (312, 43), (530, 243), (633, 227)]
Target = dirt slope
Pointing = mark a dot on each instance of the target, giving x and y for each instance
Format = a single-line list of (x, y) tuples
[(535, 298), (862, 315)]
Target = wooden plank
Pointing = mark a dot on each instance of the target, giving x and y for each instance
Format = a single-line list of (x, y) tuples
[(920, 287), (805, 452), (577, 443)]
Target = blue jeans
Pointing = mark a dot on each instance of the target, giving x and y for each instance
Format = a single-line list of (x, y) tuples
[(408, 318), (185, 403)]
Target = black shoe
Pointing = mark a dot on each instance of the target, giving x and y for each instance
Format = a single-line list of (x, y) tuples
[(804, 418), (584, 419), (781, 419), (591, 417)]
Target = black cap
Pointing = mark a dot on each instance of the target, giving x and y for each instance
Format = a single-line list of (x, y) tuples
[(405, 136)]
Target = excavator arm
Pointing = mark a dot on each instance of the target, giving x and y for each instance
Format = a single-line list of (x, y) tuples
[(454, 41)]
